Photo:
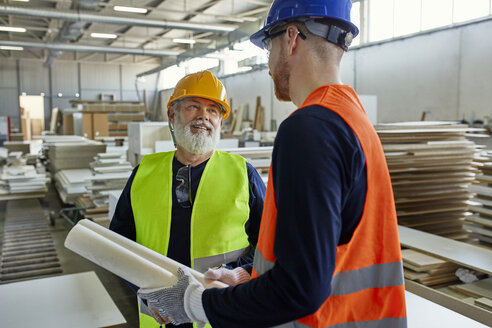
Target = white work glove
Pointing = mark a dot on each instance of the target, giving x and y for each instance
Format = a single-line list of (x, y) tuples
[(181, 303), (231, 277)]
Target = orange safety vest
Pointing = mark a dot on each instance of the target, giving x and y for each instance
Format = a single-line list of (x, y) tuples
[(367, 287)]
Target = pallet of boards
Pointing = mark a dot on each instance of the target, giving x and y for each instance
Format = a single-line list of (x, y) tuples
[(480, 223), (431, 168)]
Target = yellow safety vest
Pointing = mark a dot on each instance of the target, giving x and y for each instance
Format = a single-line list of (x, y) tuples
[(220, 210)]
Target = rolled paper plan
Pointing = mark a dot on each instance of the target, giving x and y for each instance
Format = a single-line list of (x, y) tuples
[(131, 261)]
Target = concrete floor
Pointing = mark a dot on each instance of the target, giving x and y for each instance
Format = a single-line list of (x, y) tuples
[(122, 295)]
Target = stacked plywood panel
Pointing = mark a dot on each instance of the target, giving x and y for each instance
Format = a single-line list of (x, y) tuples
[(428, 270), (110, 171), (480, 223), (99, 186), (431, 167), (71, 184), (70, 152), (22, 180)]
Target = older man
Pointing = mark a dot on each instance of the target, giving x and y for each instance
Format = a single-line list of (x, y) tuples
[(199, 206)]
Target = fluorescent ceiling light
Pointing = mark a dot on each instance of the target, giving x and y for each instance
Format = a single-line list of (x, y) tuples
[(187, 41), (104, 35), (130, 9), (21, 0), (12, 29), (11, 48)]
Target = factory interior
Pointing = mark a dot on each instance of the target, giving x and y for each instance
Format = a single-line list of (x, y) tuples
[(84, 93)]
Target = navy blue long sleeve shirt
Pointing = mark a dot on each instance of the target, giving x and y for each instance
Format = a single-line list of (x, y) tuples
[(319, 177)]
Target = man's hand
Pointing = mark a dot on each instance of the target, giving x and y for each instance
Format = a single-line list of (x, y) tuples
[(176, 303), (157, 316), (230, 277)]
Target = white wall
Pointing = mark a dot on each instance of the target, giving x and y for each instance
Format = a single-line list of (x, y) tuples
[(68, 79), (448, 73)]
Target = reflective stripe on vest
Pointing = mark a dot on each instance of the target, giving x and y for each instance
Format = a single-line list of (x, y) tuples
[(348, 282), (203, 263), (383, 323), (220, 210), (368, 269)]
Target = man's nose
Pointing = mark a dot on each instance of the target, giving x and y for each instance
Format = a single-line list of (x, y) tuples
[(203, 114)]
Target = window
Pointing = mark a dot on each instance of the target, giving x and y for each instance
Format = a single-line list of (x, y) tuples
[(407, 17), (355, 18), (380, 20), (436, 13), (467, 10)]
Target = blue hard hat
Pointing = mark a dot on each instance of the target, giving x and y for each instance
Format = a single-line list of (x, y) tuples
[(283, 10)]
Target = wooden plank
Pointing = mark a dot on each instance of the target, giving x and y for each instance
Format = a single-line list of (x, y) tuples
[(478, 229), (482, 210), (470, 256), (484, 302), (481, 190), (483, 221), (419, 261), (432, 210), (451, 195), (433, 168), (481, 288)]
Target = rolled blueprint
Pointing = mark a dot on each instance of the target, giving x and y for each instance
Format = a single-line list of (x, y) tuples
[(131, 261)]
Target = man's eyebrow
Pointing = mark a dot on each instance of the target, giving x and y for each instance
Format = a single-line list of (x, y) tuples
[(207, 105)]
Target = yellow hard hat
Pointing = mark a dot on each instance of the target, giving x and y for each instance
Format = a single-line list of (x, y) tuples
[(204, 85)]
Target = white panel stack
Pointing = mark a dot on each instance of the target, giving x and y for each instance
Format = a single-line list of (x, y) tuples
[(71, 184), (431, 167), (480, 223), (22, 179), (110, 171), (259, 157), (70, 152)]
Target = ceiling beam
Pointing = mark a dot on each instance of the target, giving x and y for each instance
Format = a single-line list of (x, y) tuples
[(242, 33), (84, 16), (82, 48)]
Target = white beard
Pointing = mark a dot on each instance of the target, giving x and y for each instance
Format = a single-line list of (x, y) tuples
[(195, 143)]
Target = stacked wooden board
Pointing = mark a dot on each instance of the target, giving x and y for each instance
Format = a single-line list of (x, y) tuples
[(480, 223), (70, 152), (428, 270), (431, 168), (476, 259)]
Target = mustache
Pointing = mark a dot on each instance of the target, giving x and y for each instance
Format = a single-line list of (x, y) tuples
[(207, 124)]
